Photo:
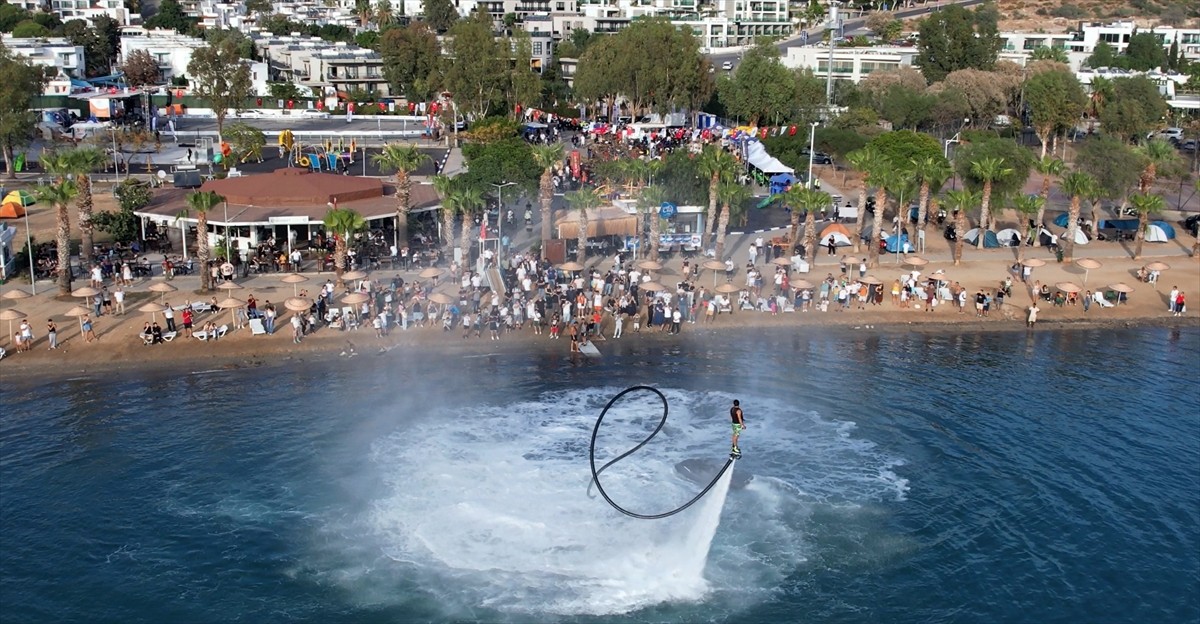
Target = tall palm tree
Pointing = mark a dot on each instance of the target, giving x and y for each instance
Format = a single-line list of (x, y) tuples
[(59, 194), (547, 158), (443, 185), (650, 200), (1158, 154), (364, 12), (1049, 167), (960, 201), (719, 167), (200, 203), (584, 200), (1102, 93), (733, 199), (468, 201), (342, 223), (931, 172), (384, 13), (81, 162), (864, 161), (1146, 204), (990, 171), (1027, 206), (1076, 185), (809, 201), (403, 159), (886, 180)]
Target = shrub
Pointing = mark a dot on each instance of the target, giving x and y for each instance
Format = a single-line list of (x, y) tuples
[(1069, 11)]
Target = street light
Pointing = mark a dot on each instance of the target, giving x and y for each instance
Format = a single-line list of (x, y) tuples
[(946, 148), (812, 136), (500, 219)]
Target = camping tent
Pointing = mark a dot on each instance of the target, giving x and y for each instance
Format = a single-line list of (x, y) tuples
[(1080, 237), (11, 210), (834, 228), (1062, 220), (1159, 232), (989, 238), (904, 246), (839, 239), (1006, 235)]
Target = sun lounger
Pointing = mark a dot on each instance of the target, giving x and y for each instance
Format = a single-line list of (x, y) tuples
[(200, 335), (256, 327), (222, 330), (1098, 297), (169, 336)]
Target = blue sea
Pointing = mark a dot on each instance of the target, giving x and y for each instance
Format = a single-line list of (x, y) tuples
[(1050, 476)]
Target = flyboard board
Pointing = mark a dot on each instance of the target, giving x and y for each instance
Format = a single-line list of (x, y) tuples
[(589, 349)]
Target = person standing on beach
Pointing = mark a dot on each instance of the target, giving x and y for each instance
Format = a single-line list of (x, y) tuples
[(1031, 320), (52, 333), (739, 425), (1171, 299), (89, 333), (1180, 304)]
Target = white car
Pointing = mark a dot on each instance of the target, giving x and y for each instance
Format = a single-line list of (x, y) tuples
[(1173, 135), (727, 66), (314, 114)]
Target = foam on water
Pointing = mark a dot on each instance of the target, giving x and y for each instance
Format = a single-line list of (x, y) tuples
[(490, 505)]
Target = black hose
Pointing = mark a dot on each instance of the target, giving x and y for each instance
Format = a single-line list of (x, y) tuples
[(661, 422)]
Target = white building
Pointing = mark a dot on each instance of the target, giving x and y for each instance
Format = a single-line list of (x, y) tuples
[(320, 65), (67, 10), (1118, 34), (54, 52), (173, 52)]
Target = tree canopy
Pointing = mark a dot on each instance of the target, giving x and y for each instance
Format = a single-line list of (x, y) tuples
[(955, 38), (411, 59), (22, 81), (762, 89), (1115, 166), (440, 14), (220, 78), (1135, 109), (1013, 156), (1056, 100)]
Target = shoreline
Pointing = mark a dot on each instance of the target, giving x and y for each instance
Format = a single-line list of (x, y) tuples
[(240, 350)]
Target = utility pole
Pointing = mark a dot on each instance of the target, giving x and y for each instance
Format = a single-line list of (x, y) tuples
[(831, 27)]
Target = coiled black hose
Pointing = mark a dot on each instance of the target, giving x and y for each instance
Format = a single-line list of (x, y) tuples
[(661, 423)]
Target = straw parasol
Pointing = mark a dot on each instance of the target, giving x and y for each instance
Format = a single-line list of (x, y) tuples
[(431, 272), (353, 275), (229, 286), (714, 266), (297, 304), (651, 286), (11, 315), (803, 284), (871, 279), (78, 312), (650, 265), (152, 308), (1087, 264), (728, 288), (14, 294), (1158, 266), (355, 298), (915, 261), (781, 261), (231, 304), (1122, 288), (441, 298), (1033, 262), (85, 291), (164, 288), (1068, 287), (572, 266), (293, 279), (851, 259)]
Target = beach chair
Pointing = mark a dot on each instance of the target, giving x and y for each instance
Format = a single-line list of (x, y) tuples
[(169, 336), (147, 339), (200, 335), (256, 327), (221, 331)]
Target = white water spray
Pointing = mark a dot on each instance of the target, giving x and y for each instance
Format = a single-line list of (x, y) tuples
[(699, 538)]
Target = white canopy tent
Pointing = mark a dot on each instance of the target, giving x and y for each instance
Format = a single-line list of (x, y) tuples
[(757, 156)]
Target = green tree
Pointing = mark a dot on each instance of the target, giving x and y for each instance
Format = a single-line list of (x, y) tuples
[(904, 147), (930, 172), (1028, 206), (199, 203), (1103, 55), (342, 223), (718, 167), (955, 38), (733, 200), (403, 160), (1047, 53), (284, 90), (1055, 100), (1158, 155), (30, 29), (983, 146), (886, 178), (808, 201), (59, 195), (524, 84), (505, 160), (444, 185), (1135, 109), (1049, 167), (411, 60), (1145, 52), (584, 201), (477, 71), (171, 16), (1076, 185), (440, 14), (385, 14), (988, 171), (761, 89), (865, 161), (547, 158), (1146, 205), (220, 78), (80, 163), (1116, 167), (22, 81), (246, 141), (961, 201)]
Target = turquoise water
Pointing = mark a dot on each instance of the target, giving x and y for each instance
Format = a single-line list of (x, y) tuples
[(1044, 477)]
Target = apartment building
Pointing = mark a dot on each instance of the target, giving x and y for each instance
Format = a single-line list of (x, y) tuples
[(67, 10), (1118, 34), (173, 52), (55, 52), (320, 65)]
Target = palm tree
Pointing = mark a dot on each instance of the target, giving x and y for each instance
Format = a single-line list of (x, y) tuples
[(1102, 93), (1145, 204), (1158, 154), (468, 201), (384, 14), (59, 194), (733, 199), (1027, 206), (547, 157), (200, 203), (403, 159), (364, 12), (960, 201), (864, 161), (809, 201), (583, 201), (989, 170), (932, 172), (342, 223), (886, 179), (650, 200), (1077, 185), (81, 162), (443, 185), (719, 167), (1048, 166)]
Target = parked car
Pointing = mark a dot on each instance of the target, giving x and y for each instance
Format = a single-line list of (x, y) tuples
[(727, 66), (1189, 145), (818, 158), (1171, 135)]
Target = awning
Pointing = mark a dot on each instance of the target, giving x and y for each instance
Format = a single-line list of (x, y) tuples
[(758, 157), (603, 221)]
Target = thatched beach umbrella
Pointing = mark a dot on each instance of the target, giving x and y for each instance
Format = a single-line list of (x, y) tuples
[(153, 309), (651, 286), (915, 261), (430, 273), (354, 275), (803, 284), (298, 304), (355, 298), (571, 266), (650, 265), (294, 279), (1068, 287), (163, 288), (1158, 266), (728, 288), (1087, 264), (231, 304), (14, 294), (714, 266), (11, 315), (78, 312), (85, 293), (1122, 288), (781, 261), (230, 286), (441, 298), (1033, 262), (871, 279)]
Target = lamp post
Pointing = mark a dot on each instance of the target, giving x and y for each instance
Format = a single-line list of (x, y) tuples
[(812, 136), (29, 248), (832, 27), (946, 149), (500, 219)]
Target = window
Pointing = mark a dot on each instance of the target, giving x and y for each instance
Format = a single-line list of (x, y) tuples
[(560, 7), (1033, 44), (537, 48), (1110, 37)]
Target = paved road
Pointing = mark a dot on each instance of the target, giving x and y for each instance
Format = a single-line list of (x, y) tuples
[(815, 34)]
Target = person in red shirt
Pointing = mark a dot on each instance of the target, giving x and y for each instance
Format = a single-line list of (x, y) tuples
[(186, 317), (1179, 304)]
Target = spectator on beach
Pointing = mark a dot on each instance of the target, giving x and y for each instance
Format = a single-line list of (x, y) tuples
[(52, 333), (1031, 317), (89, 332)]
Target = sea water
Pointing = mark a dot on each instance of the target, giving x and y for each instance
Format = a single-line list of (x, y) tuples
[(1049, 476)]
